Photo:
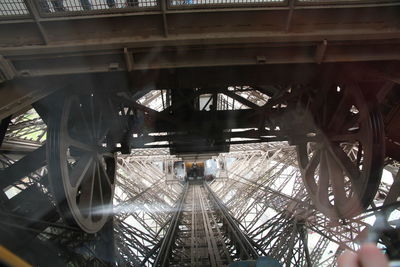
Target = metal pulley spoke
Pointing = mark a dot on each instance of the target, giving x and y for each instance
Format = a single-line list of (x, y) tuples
[(86, 193), (104, 173), (344, 163), (80, 169), (78, 117), (323, 180), (310, 169), (302, 155), (352, 122), (99, 183), (337, 179), (340, 114)]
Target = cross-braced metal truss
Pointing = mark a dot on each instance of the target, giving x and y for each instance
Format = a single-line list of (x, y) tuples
[(144, 202), (27, 128), (265, 194), (260, 186), (263, 191), (21, 134), (31, 225)]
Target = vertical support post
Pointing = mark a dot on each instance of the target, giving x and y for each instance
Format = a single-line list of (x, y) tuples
[(290, 15), (164, 17), (168, 98), (3, 199), (3, 128), (320, 52), (222, 172), (128, 59), (169, 169), (105, 248), (215, 101), (162, 99), (36, 16), (304, 238)]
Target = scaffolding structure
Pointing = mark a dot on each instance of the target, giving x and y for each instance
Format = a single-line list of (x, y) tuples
[(129, 88), (261, 196)]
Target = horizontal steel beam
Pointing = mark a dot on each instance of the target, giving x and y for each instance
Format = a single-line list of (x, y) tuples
[(193, 38), (210, 26), (17, 95), (28, 164), (186, 56)]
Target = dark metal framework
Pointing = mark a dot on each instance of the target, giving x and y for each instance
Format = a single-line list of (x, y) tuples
[(264, 193), (267, 71), (203, 233), (144, 205), (25, 132), (31, 225), (257, 177)]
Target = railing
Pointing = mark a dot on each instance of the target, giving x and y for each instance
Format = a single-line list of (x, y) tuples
[(13, 8), (18, 8), (54, 6), (222, 3)]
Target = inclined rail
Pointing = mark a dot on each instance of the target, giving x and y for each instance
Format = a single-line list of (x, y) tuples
[(202, 232)]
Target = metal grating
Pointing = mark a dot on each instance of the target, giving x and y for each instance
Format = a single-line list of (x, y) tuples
[(222, 2), (18, 7), (344, 1), (55, 6), (13, 7)]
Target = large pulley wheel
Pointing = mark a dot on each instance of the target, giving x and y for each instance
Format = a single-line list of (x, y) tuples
[(342, 166), (81, 166)]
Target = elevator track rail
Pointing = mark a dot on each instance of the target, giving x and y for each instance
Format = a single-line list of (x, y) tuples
[(202, 233)]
